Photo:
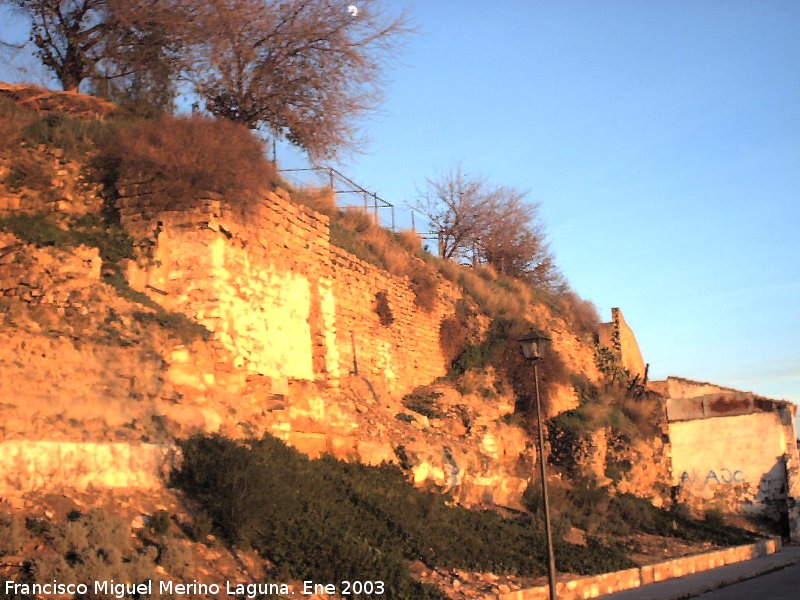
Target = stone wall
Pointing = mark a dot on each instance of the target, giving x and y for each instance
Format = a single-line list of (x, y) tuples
[(405, 353), (679, 387), (618, 337), (282, 299), (28, 466), (733, 450), (617, 581), (733, 462)]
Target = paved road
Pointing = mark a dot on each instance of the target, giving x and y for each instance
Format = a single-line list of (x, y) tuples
[(692, 586), (780, 585)]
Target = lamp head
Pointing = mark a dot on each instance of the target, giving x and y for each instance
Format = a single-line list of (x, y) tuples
[(533, 346)]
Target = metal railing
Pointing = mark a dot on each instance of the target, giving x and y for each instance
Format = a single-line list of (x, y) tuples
[(346, 191)]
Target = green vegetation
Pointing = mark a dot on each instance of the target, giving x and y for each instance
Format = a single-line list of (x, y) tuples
[(11, 535), (95, 546), (584, 505), (628, 413), (13, 121), (28, 171), (113, 245), (424, 403), (333, 520), (159, 523), (75, 137), (111, 240), (179, 324), (383, 310)]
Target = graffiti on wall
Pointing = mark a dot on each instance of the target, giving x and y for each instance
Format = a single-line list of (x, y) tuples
[(720, 476)]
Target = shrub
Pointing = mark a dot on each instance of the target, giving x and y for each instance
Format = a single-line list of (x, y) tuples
[(453, 337), (201, 526), (581, 314), (13, 120), (176, 558), (92, 547), (28, 171), (74, 136), (410, 240), (322, 200), (328, 520), (584, 505), (425, 288), (11, 534), (626, 416), (159, 521), (352, 242), (495, 299), (112, 242), (37, 230), (181, 326), (714, 517), (37, 526), (424, 403), (180, 160)]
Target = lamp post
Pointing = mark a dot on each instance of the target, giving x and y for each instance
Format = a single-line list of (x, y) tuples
[(533, 349)]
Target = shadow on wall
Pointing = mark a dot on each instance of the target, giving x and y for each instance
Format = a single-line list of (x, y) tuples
[(766, 504), (774, 497)]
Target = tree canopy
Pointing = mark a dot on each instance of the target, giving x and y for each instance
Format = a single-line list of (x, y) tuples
[(306, 70), (481, 223)]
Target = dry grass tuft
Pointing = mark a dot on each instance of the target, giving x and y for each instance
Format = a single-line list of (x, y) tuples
[(13, 121), (179, 160), (410, 240), (322, 200)]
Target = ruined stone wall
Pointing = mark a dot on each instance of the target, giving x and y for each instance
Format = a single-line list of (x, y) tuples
[(287, 304), (678, 387), (27, 466), (404, 353), (730, 460), (70, 192), (735, 452), (618, 337), (258, 282)]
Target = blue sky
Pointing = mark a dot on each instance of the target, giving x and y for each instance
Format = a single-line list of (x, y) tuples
[(662, 141)]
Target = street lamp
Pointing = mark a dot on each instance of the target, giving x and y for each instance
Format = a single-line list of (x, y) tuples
[(533, 346)]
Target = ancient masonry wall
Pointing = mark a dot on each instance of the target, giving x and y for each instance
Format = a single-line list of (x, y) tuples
[(405, 351), (281, 298), (618, 337)]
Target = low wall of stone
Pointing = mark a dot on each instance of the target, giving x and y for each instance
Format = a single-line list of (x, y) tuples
[(28, 466), (618, 581)]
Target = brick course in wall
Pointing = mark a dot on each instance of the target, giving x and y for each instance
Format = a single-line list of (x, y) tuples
[(275, 292)]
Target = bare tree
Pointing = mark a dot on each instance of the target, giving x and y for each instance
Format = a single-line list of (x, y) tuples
[(142, 73), (492, 225), (512, 237), (303, 69), (306, 70), (455, 205), (78, 39), (67, 35)]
